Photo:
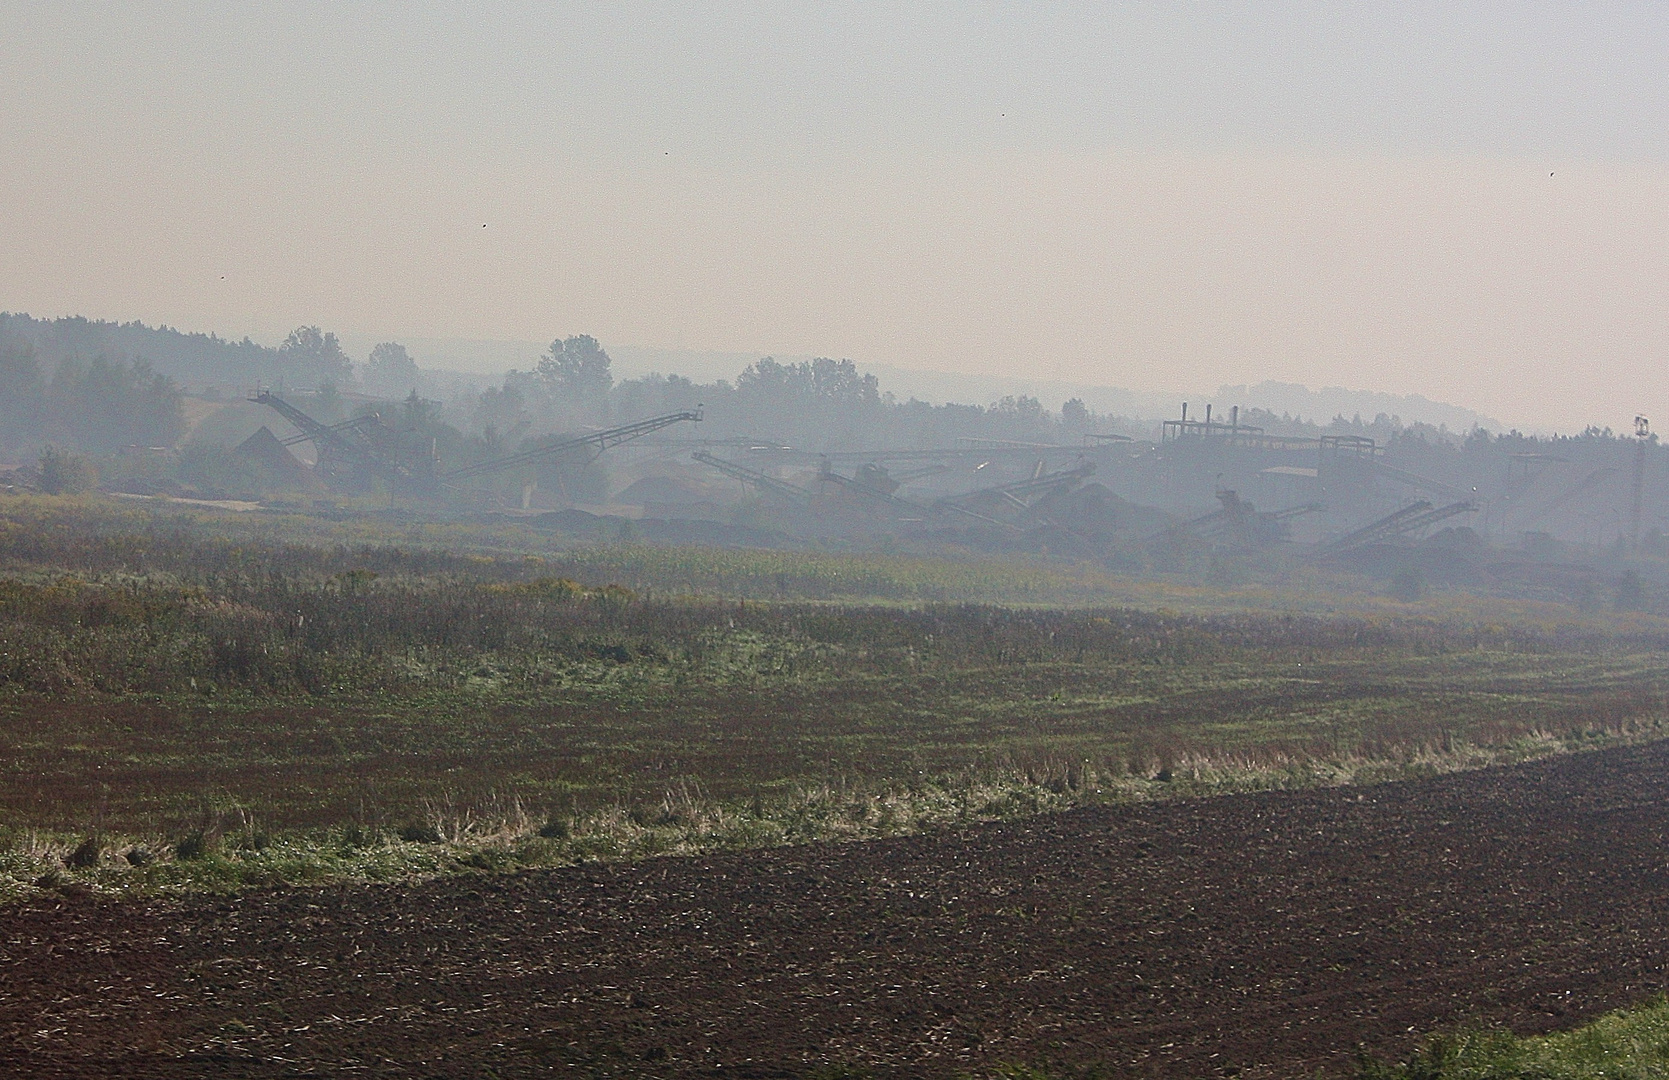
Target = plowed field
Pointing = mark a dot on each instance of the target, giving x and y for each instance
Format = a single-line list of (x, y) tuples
[(1264, 936)]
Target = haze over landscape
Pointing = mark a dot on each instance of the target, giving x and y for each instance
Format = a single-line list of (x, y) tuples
[(1461, 201), (928, 541)]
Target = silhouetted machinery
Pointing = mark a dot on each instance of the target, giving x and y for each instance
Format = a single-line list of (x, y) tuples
[(1011, 506), (1411, 518), (1014, 505), (780, 490), (355, 453), (873, 486), (352, 455), (873, 489), (595, 443), (1238, 521), (1575, 491)]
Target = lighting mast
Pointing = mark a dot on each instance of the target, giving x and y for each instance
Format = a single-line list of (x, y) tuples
[(1642, 431)]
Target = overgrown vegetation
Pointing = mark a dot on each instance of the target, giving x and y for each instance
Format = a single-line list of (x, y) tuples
[(1630, 1044), (101, 538), (195, 703)]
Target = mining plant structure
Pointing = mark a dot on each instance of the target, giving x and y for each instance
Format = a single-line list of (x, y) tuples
[(1237, 523), (355, 454), (1402, 522), (1013, 507)]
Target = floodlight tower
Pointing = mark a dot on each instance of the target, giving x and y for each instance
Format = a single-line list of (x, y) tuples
[(1642, 432)]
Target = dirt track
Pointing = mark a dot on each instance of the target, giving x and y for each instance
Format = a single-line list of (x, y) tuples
[(1263, 935)]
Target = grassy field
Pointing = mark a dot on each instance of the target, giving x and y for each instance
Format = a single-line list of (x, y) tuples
[(211, 699), (100, 536), (1629, 1044)]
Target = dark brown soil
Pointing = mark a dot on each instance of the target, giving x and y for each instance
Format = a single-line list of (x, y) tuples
[(1265, 935)]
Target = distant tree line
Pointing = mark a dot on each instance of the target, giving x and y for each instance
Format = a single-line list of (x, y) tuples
[(94, 404), (309, 357), (98, 388), (820, 404)]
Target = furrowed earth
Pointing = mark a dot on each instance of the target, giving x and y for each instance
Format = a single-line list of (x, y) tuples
[(1266, 935)]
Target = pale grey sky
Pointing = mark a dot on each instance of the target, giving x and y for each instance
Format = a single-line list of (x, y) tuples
[(1465, 201)]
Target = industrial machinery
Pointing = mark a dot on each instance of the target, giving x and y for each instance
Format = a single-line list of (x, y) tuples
[(1001, 504), (1588, 483), (873, 484), (1024, 492), (1411, 518), (1238, 520), (355, 453), (1413, 480), (781, 490), (865, 486), (596, 442)]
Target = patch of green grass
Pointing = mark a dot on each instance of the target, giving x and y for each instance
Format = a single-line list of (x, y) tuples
[(1630, 1044)]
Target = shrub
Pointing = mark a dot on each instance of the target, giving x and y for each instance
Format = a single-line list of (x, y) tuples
[(64, 473)]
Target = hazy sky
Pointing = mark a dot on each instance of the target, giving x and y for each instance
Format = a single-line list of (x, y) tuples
[(1466, 201)]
